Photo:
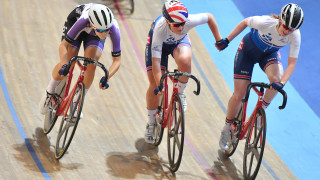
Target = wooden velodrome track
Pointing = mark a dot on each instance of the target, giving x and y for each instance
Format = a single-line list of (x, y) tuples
[(109, 141)]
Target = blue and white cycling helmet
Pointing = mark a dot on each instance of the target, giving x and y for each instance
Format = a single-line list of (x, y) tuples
[(174, 11), (100, 16), (292, 16)]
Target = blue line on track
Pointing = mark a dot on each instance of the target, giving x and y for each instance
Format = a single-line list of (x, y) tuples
[(19, 127)]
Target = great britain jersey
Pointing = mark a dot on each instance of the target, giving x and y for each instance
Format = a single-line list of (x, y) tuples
[(82, 24), (163, 34), (266, 37)]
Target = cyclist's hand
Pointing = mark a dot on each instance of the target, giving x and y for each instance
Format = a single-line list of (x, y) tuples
[(64, 70), (157, 90), (277, 85), (222, 44), (102, 85)]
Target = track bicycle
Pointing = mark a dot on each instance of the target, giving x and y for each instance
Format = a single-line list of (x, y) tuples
[(171, 115), (69, 104), (254, 130)]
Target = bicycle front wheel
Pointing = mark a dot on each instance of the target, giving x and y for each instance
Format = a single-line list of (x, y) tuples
[(254, 146), (51, 116), (158, 132), (70, 121), (175, 134), (234, 138)]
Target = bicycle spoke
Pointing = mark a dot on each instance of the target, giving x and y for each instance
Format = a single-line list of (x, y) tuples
[(65, 138), (255, 142), (251, 162)]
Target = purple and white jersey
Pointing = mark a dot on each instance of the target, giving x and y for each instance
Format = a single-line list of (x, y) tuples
[(266, 37), (163, 34), (83, 25)]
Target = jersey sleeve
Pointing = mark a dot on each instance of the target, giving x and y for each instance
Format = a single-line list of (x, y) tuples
[(197, 19), (295, 44), (157, 41), (115, 39)]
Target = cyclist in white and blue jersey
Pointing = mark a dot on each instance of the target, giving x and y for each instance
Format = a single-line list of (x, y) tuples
[(261, 45), (169, 35), (90, 25)]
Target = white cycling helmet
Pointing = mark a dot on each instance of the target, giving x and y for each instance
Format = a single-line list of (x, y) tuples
[(292, 16), (100, 16)]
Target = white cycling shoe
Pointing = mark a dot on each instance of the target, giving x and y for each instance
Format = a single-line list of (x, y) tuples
[(149, 134)]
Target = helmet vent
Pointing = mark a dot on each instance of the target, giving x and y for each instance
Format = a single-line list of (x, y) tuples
[(110, 17), (97, 17), (104, 17)]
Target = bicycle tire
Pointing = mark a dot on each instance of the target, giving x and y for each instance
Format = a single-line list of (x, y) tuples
[(51, 116), (175, 134), (234, 138), (70, 121), (132, 6), (158, 133), (254, 146)]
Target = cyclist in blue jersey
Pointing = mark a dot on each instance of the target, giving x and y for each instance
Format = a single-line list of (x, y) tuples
[(169, 35), (89, 24), (261, 45)]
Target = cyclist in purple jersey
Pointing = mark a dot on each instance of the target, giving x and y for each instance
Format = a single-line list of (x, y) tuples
[(89, 24), (268, 34), (169, 35)]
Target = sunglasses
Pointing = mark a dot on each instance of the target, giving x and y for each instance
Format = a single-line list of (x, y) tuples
[(101, 30), (286, 28), (177, 25)]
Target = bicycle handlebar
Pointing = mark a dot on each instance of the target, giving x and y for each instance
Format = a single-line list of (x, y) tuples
[(91, 61), (177, 74), (264, 85)]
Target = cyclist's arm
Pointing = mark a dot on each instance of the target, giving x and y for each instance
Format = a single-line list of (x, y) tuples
[(238, 29), (290, 68), (214, 27), (114, 66), (63, 51), (156, 69)]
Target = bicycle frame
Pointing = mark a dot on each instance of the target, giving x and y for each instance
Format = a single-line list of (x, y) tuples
[(164, 83), (246, 125), (168, 115), (65, 100)]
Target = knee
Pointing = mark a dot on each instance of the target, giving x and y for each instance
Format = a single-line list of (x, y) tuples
[(275, 78), (237, 97)]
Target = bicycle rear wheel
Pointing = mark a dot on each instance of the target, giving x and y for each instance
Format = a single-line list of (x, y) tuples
[(176, 134), (132, 6), (158, 132), (51, 117), (234, 138), (254, 146), (70, 121)]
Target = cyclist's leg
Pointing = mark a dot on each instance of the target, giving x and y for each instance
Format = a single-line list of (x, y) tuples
[(274, 70), (243, 67), (151, 98), (55, 80), (240, 87), (93, 47), (182, 54)]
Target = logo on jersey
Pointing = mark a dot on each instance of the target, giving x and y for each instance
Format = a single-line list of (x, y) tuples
[(267, 37), (78, 11), (148, 40), (171, 39), (240, 46), (279, 55)]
